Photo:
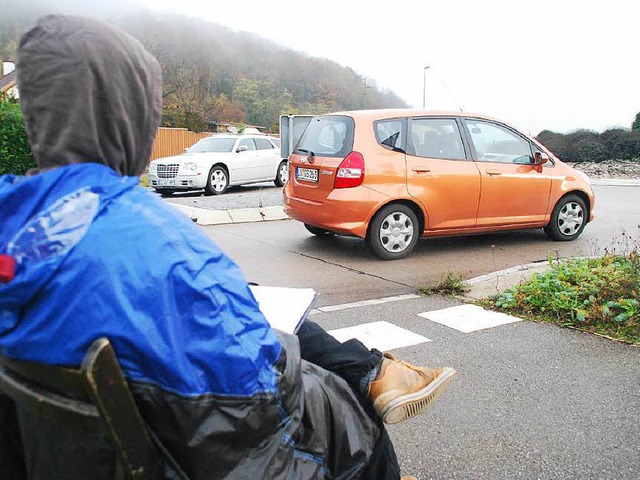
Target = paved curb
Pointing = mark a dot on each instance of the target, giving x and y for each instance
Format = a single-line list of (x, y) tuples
[(203, 216), (618, 182), (494, 283)]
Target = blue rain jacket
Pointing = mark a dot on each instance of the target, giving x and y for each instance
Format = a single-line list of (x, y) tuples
[(96, 255), (202, 333)]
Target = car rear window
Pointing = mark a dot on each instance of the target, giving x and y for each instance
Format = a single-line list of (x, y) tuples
[(328, 136)]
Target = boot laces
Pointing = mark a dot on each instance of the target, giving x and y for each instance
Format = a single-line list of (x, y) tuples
[(419, 370)]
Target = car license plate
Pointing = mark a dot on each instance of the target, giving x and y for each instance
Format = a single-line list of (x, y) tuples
[(308, 174), (166, 183)]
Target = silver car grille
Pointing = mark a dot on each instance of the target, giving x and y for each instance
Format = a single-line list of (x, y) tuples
[(167, 171)]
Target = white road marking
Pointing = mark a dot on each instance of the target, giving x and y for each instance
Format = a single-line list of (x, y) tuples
[(363, 303), (381, 335), (468, 318)]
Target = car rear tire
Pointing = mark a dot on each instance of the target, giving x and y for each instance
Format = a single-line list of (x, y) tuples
[(165, 192), (568, 219), (393, 232), (319, 232), (218, 181), (282, 175)]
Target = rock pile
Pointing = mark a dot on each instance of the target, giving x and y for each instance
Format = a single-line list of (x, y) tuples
[(619, 169)]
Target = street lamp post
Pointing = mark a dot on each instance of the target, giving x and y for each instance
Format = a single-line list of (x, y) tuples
[(424, 86), (365, 92)]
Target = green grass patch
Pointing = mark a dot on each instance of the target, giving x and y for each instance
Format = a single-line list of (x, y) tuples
[(597, 295), (452, 284)]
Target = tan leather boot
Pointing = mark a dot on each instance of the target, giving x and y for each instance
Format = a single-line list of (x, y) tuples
[(402, 390), (408, 477)]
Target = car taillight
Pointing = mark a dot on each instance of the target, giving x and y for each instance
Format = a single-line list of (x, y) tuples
[(350, 171)]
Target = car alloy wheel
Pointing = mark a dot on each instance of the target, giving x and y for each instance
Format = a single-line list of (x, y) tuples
[(218, 181), (283, 174), (396, 232), (568, 218), (571, 218), (393, 233)]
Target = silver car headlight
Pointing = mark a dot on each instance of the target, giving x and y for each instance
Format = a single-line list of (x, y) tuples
[(190, 166), (153, 167)]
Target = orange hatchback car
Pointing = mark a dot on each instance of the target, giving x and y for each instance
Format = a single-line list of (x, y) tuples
[(392, 176)]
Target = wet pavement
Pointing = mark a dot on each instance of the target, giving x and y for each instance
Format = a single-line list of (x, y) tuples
[(249, 196)]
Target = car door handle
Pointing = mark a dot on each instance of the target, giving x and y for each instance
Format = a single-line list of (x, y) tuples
[(493, 173), (421, 170)]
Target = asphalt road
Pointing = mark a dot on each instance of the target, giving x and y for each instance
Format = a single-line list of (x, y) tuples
[(531, 401), (341, 269)]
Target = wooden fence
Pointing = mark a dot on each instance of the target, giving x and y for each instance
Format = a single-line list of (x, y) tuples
[(172, 141)]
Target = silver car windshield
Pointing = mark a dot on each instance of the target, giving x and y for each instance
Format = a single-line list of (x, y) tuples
[(212, 144)]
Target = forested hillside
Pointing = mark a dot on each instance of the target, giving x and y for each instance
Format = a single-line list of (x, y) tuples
[(215, 75)]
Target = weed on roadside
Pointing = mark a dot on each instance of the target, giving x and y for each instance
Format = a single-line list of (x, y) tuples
[(451, 284), (598, 295)]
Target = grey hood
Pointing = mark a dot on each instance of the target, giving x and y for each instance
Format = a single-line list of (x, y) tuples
[(89, 93)]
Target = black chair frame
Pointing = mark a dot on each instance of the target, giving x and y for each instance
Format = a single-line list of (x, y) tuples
[(94, 397)]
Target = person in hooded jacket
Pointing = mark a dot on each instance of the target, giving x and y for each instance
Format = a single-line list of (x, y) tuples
[(91, 254)]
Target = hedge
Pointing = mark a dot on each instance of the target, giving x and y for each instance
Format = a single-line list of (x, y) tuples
[(15, 152)]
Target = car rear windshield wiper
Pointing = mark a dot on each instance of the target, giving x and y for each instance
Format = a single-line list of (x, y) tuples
[(309, 153)]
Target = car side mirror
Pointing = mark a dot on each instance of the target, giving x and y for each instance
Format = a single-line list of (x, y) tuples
[(242, 148), (540, 158)]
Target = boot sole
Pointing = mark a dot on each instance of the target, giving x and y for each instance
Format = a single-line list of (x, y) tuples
[(412, 404)]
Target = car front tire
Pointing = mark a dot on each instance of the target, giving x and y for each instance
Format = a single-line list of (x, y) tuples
[(282, 175), (568, 219), (393, 232), (218, 181)]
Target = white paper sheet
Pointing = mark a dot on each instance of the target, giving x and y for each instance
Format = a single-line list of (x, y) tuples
[(284, 308)]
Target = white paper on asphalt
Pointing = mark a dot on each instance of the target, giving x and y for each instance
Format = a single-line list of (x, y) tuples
[(468, 318), (381, 335)]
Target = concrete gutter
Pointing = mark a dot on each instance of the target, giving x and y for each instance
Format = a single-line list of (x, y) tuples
[(203, 216), (616, 182)]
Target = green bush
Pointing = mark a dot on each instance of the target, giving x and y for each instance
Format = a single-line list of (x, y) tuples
[(598, 295), (15, 152)]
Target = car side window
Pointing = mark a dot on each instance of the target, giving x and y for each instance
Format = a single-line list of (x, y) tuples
[(248, 142), (494, 143), (435, 138), (390, 133), (263, 144)]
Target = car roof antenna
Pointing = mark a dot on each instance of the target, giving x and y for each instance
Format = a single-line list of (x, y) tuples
[(447, 89)]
